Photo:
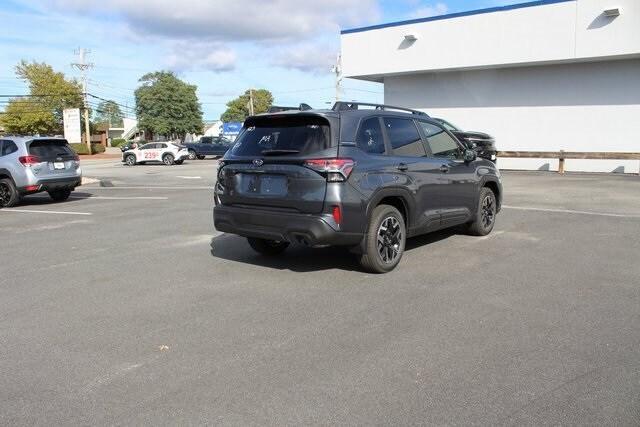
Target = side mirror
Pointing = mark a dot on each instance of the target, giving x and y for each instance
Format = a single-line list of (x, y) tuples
[(470, 155)]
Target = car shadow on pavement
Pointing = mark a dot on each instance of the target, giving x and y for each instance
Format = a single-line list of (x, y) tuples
[(296, 258), (302, 259)]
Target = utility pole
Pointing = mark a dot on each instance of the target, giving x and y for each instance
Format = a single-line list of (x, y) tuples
[(251, 102), (83, 66), (337, 70)]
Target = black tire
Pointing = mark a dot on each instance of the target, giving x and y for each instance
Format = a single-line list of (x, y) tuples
[(60, 195), (179, 162), (385, 240), (9, 195), (267, 247), (485, 217), (201, 157), (192, 155), (168, 159), (130, 160)]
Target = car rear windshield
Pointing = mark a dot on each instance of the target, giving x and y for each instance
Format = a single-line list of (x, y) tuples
[(50, 148), (283, 136)]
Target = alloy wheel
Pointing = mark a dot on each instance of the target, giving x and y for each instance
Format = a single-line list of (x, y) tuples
[(5, 194), (389, 239), (488, 211)]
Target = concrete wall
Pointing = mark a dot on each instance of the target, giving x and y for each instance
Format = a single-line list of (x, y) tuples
[(591, 106), (557, 32)]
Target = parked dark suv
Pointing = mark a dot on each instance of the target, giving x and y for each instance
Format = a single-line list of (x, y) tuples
[(359, 175)]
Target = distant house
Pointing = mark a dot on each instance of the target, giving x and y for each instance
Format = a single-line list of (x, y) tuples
[(213, 128)]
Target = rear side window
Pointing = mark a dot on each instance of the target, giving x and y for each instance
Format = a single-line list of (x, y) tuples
[(369, 138), (440, 143), (283, 136), (404, 137), (8, 147), (50, 148)]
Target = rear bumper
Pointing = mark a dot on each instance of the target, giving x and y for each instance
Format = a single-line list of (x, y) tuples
[(51, 185), (307, 229)]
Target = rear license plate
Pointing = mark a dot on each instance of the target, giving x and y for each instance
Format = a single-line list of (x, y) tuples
[(58, 165), (263, 185)]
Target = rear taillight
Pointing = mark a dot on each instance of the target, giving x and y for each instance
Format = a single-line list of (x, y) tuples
[(336, 212), (29, 160), (76, 158), (336, 170)]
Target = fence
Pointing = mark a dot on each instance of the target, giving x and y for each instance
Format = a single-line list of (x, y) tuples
[(563, 155)]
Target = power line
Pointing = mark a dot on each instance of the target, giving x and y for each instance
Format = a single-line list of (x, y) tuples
[(110, 100)]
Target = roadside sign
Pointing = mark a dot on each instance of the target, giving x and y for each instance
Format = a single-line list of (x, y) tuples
[(72, 127)]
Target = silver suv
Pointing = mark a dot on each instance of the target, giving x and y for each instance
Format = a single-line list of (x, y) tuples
[(30, 165)]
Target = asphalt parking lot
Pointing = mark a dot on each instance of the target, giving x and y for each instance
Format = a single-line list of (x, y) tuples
[(124, 306)]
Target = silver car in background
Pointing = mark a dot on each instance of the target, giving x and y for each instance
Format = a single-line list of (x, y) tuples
[(31, 165)]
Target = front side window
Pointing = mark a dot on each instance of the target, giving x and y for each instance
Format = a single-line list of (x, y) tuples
[(369, 138), (161, 145), (440, 142), (404, 137), (148, 146)]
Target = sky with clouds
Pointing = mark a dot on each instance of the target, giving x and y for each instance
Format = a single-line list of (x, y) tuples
[(222, 46)]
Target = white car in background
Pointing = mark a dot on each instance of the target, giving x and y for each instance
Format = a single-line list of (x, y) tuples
[(157, 152)]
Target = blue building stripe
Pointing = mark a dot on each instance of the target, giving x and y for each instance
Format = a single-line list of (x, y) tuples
[(455, 15)]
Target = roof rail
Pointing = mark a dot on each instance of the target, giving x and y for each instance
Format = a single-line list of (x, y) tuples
[(342, 106), (278, 108)]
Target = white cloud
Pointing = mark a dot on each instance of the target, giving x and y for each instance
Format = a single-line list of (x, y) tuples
[(233, 20), (430, 10), (308, 57), (187, 56)]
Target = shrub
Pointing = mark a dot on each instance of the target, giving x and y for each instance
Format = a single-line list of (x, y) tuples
[(97, 148), (82, 149), (117, 142)]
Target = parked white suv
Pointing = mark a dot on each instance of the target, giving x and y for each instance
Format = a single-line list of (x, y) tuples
[(163, 152), (33, 164)]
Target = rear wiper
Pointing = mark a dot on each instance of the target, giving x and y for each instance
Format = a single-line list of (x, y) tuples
[(277, 152)]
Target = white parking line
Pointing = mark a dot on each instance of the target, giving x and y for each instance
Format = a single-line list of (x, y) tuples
[(188, 177), (91, 196), (570, 211), (44, 212), (120, 198), (147, 187)]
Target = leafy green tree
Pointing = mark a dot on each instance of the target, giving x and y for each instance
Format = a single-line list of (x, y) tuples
[(238, 109), (27, 116), (108, 112), (165, 105), (41, 112)]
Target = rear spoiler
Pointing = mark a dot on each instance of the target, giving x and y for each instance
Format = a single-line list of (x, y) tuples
[(279, 108)]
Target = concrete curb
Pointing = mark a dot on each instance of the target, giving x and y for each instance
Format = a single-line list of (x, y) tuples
[(86, 180)]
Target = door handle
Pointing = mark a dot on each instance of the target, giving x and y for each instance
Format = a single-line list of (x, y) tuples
[(444, 168), (403, 167)]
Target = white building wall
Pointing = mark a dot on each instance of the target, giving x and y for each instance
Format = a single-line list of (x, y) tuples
[(591, 106), (558, 32)]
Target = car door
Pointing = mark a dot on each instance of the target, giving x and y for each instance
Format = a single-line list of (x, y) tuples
[(456, 195), (150, 152), (206, 147), (410, 158), (218, 147)]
